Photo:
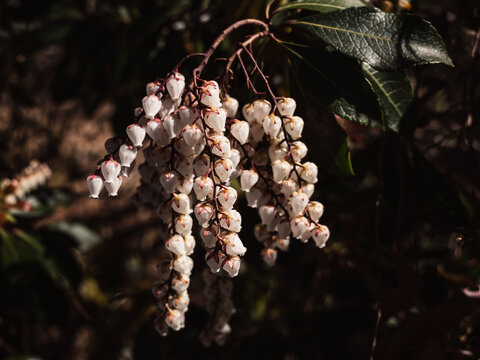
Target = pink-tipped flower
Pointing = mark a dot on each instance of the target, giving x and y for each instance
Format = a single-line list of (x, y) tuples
[(203, 213), (272, 125), (175, 85), (152, 88), (231, 220), (298, 202), (209, 236), (183, 224), (248, 179), (215, 118), (315, 210), (157, 132), (215, 260), (233, 244), (95, 185), (201, 165), (281, 169), (294, 126), (172, 125), (320, 235), (286, 106), (192, 134), (299, 225), (210, 94), (261, 108), (183, 264), (309, 172), (151, 105), (136, 134), (127, 154), (181, 204), (224, 169), (110, 170), (169, 181), (231, 106), (112, 187), (227, 197), (240, 131), (220, 146), (269, 256), (176, 245), (203, 187), (232, 266)]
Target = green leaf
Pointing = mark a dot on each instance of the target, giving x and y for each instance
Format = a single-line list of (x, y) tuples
[(323, 6), (337, 82), (394, 92), (343, 161), (385, 41)]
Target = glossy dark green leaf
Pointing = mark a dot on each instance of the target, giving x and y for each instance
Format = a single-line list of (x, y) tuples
[(394, 93), (323, 6), (385, 41), (337, 82)]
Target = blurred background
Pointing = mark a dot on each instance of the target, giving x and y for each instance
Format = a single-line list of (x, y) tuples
[(401, 269)]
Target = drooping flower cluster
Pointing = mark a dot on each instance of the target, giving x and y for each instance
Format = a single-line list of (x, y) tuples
[(196, 143)]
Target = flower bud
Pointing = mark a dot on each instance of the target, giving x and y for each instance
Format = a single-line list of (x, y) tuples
[(185, 185), (248, 179), (168, 107), (320, 235), (272, 125), (209, 236), (315, 210), (203, 213), (183, 264), (215, 118), (189, 244), (175, 85), (175, 319), (298, 202), (172, 125), (110, 170), (288, 186), (181, 204), (157, 132), (233, 244), (136, 134), (227, 197), (203, 188), (151, 105), (261, 108), (309, 172), (224, 169), (95, 185), (201, 165), (282, 243), (180, 301), (231, 220), (210, 94), (299, 225), (214, 260), (232, 266), (112, 187), (286, 106), (127, 154), (277, 152), (269, 256), (183, 224), (231, 106), (152, 88), (220, 146), (281, 169), (192, 134), (240, 131), (184, 167), (299, 150), (176, 245), (183, 148), (169, 181), (188, 115), (308, 189), (235, 157), (180, 283), (253, 197), (294, 126), (256, 132), (267, 214)]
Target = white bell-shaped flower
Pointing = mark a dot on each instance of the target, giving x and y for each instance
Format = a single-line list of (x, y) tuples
[(240, 131), (230, 104), (168, 107), (175, 319), (233, 244), (231, 220), (235, 157), (282, 244), (286, 106), (176, 245), (299, 150), (261, 108), (307, 234), (220, 146), (209, 236), (215, 118), (189, 244), (272, 125), (110, 170), (127, 154), (185, 185), (175, 85), (203, 187), (151, 105), (169, 181), (180, 301), (299, 225), (253, 197), (294, 126), (320, 235), (227, 197), (224, 169), (315, 210), (183, 224), (183, 148), (256, 132), (136, 134), (309, 172), (288, 186), (308, 189), (180, 283), (269, 256), (267, 214), (232, 266), (157, 132), (152, 88), (201, 165), (192, 134), (215, 260), (248, 179), (203, 213), (172, 125), (95, 185), (281, 169), (183, 264), (112, 187), (298, 202), (188, 114), (184, 167), (248, 113), (181, 203), (210, 94)]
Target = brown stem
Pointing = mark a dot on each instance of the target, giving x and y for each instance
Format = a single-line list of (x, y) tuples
[(198, 70)]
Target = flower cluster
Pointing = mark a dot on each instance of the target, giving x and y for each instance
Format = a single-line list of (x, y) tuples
[(197, 143)]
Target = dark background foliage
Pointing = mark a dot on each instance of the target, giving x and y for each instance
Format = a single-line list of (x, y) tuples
[(405, 227)]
